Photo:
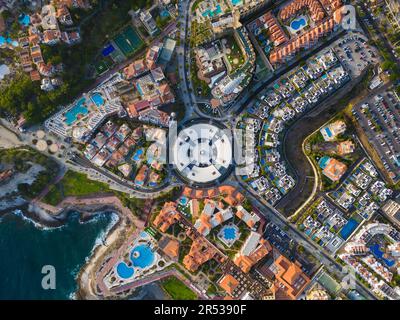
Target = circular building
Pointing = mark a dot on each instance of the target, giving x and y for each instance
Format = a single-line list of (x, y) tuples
[(202, 152), (41, 145), (53, 148), (40, 134)]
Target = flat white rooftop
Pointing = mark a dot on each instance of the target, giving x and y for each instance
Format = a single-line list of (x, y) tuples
[(202, 152)]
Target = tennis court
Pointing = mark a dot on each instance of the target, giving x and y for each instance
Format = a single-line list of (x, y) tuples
[(128, 41)]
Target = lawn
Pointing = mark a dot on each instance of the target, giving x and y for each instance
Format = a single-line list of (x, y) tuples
[(235, 56), (77, 184), (177, 289), (74, 184), (54, 196)]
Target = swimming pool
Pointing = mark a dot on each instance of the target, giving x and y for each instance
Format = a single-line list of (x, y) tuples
[(237, 2), (79, 109), (138, 155), (164, 14), (323, 162), (124, 271), (142, 256), (3, 41), (97, 99), (298, 24), (139, 89), (24, 19), (378, 253), (229, 233), (348, 229), (211, 13), (183, 200), (328, 132)]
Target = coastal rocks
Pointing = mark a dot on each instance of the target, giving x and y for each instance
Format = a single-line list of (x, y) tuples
[(11, 203)]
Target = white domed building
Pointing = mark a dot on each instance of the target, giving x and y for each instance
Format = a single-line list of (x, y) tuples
[(202, 152)]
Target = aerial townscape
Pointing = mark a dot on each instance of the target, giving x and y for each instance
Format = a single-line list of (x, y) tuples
[(200, 149)]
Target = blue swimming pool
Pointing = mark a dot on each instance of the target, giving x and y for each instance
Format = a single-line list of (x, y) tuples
[(24, 19), (138, 154), (230, 233), (164, 14), (79, 109), (183, 200), (124, 271), (323, 162), (348, 228), (4, 41), (139, 89), (378, 253), (298, 24), (142, 256), (97, 99), (210, 13), (237, 2), (328, 132)]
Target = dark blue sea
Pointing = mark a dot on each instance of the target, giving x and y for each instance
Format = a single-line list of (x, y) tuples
[(25, 249)]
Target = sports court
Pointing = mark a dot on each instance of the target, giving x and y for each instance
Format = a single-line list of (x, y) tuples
[(128, 41)]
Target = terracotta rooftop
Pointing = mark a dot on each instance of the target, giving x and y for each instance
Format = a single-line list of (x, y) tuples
[(291, 277), (229, 284), (169, 246)]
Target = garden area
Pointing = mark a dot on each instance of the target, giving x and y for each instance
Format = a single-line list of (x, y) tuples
[(316, 148), (25, 97), (233, 53), (74, 184), (177, 290), (200, 33), (77, 184)]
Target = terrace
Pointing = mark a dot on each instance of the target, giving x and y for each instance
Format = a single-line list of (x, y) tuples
[(139, 260), (305, 21), (81, 118)]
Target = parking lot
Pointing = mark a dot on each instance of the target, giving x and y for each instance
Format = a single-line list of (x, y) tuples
[(354, 53), (380, 120)]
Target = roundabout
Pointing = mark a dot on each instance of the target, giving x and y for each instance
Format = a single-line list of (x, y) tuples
[(202, 152)]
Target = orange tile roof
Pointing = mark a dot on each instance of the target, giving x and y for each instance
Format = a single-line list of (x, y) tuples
[(291, 277), (230, 200), (219, 217), (229, 284), (171, 249), (335, 169), (314, 7), (199, 194), (200, 252), (239, 214), (35, 76), (167, 216), (187, 191), (282, 53), (247, 262)]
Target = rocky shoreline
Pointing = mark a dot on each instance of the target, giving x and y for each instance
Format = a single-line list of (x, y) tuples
[(47, 216)]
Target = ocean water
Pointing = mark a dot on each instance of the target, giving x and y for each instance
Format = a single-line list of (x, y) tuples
[(25, 249)]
